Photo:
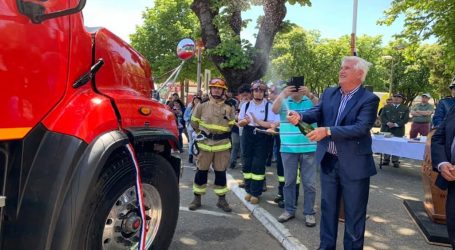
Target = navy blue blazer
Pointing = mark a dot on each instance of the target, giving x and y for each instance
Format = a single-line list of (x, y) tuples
[(352, 135), (441, 143)]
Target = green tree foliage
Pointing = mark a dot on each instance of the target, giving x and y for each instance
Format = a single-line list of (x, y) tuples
[(440, 75), (238, 60), (424, 19), (417, 69), (299, 52), (164, 26), (294, 51)]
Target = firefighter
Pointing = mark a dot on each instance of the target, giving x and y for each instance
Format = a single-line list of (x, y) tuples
[(255, 151), (212, 121)]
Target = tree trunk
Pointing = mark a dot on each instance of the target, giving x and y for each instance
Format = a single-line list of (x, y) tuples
[(274, 13)]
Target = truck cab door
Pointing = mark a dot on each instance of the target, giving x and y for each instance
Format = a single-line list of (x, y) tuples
[(33, 64)]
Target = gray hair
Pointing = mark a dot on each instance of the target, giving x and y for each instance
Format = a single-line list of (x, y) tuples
[(360, 63)]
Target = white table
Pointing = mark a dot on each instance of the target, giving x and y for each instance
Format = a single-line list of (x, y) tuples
[(398, 146)]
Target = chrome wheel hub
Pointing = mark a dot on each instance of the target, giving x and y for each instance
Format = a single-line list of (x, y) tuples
[(123, 224)]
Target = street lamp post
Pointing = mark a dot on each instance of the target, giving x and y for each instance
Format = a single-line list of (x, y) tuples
[(391, 72)]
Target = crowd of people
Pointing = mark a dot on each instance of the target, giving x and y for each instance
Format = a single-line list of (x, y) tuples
[(260, 123), (395, 115)]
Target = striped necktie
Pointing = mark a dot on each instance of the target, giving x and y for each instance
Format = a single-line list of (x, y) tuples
[(344, 100)]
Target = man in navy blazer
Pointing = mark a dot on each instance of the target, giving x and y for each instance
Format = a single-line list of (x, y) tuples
[(345, 115), (443, 160)]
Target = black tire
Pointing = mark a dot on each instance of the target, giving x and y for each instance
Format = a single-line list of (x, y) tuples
[(119, 177)]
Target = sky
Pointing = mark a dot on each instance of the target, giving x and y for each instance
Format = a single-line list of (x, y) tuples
[(333, 18)]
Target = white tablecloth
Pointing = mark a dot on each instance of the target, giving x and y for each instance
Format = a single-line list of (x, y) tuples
[(398, 146)]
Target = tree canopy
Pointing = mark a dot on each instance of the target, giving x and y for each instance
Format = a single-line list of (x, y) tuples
[(221, 22), (164, 26), (417, 68), (424, 19), (292, 51)]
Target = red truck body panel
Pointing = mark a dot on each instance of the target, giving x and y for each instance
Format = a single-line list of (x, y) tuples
[(40, 62), (126, 77), (33, 66), (63, 145)]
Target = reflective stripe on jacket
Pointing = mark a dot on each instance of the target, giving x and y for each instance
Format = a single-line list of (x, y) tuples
[(213, 117)]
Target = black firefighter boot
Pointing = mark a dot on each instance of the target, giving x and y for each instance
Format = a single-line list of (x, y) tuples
[(196, 203), (222, 203)]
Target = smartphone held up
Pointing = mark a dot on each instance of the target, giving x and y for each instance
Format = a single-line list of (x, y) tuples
[(297, 82)]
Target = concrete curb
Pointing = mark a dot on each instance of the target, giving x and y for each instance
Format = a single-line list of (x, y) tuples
[(278, 230)]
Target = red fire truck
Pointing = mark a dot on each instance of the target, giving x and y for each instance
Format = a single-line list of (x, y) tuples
[(72, 101)]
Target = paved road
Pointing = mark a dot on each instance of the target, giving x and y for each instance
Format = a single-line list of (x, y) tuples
[(211, 228), (388, 227)]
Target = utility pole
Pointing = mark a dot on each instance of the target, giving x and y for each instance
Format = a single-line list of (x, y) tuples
[(199, 48), (354, 28)]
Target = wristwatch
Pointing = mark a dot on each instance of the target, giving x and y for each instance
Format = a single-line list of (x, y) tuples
[(329, 132)]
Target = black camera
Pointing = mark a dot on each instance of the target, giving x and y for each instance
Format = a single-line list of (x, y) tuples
[(297, 82)]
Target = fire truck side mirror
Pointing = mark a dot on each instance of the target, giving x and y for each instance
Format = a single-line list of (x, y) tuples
[(37, 12)]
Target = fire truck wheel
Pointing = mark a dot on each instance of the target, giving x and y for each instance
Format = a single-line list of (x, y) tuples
[(114, 221)]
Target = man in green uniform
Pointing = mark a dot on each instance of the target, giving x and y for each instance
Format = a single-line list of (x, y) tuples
[(393, 119)]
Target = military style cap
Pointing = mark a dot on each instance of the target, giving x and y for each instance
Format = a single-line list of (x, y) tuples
[(452, 84)]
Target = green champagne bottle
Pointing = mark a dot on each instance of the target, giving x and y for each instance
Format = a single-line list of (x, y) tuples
[(304, 127)]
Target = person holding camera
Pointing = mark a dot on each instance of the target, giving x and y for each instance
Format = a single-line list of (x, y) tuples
[(297, 152)]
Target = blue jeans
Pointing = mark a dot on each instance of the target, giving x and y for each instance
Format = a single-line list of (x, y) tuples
[(291, 161), (190, 131), (180, 144)]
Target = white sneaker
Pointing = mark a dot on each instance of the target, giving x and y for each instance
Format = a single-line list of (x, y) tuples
[(285, 217), (310, 220)]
